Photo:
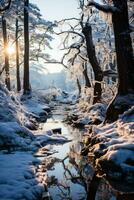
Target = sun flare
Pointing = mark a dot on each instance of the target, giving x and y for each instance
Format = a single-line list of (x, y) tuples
[(10, 50)]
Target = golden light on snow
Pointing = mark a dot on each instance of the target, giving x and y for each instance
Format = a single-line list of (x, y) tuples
[(10, 50)]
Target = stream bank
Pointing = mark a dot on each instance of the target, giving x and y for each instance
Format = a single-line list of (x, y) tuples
[(70, 175)]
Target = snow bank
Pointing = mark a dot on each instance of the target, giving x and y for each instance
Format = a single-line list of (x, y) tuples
[(85, 114), (47, 136), (36, 103), (19, 178), (67, 98), (113, 147), (12, 135), (61, 96), (22, 176), (10, 107), (13, 121)]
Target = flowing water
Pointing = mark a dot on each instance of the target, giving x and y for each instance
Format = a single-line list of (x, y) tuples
[(70, 175)]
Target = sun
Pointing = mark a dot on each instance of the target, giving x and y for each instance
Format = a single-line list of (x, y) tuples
[(10, 50)]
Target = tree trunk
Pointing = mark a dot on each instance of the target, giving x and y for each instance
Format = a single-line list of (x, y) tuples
[(5, 39), (93, 187), (17, 59), (26, 83), (124, 49), (87, 81), (79, 86), (125, 196), (125, 63), (98, 75)]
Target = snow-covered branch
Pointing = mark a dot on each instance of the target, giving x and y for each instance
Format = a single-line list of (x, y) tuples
[(69, 31), (6, 7), (68, 19), (104, 8), (57, 62)]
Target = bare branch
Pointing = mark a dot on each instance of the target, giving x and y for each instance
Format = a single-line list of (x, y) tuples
[(16, 39), (57, 62), (43, 38), (68, 19), (73, 32), (83, 58)]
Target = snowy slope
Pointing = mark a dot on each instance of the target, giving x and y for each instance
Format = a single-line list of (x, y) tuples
[(20, 173)]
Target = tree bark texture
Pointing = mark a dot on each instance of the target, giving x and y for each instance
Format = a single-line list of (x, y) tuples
[(5, 39), (125, 63), (17, 59), (79, 86), (26, 81), (85, 74), (98, 75)]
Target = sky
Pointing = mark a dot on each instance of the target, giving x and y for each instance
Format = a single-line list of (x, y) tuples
[(56, 10), (53, 10)]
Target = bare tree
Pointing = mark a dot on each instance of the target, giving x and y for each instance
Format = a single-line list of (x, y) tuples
[(87, 31), (5, 39), (5, 6), (26, 81), (83, 30), (17, 57), (78, 85), (85, 74)]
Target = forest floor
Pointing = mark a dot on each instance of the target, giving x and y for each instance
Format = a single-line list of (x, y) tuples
[(24, 142), (110, 146)]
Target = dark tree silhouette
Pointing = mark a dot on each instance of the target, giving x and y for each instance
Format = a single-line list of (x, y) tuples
[(87, 31), (78, 85), (91, 54), (26, 82), (125, 61), (17, 58), (5, 39), (85, 74)]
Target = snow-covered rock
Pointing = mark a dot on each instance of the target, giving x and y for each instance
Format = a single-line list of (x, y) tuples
[(82, 115), (113, 147)]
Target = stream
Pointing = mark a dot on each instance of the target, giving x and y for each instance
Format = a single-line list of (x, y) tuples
[(69, 173), (71, 176)]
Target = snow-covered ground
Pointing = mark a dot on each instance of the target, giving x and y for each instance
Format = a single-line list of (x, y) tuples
[(83, 114), (20, 174), (111, 145), (67, 98), (114, 150), (19, 178)]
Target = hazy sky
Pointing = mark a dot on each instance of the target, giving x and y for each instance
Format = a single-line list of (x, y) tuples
[(57, 9)]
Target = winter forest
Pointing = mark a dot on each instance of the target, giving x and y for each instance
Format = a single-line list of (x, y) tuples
[(66, 100)]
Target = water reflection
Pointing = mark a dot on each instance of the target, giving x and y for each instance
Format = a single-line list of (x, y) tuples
[(71, 177), (66, 180)]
